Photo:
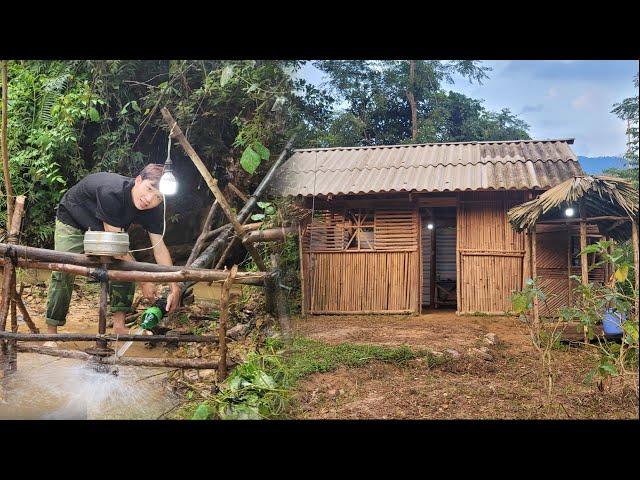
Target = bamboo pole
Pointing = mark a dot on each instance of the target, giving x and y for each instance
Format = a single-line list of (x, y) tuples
[(301, 253), (569, 261), (211, 252), (247, 278), (109, 337), (222, 330), (5, 150), (242, 196), (197, 248), (281, 308), (8, 289), (212, 183), (127, 361), (534, 275), (432, 262), (583, 245)]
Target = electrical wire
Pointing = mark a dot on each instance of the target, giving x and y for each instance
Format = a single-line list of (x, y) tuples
[(164, 203), (164, 227)]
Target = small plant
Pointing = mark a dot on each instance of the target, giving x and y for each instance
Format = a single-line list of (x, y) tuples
[(616, 295), (542, 339)]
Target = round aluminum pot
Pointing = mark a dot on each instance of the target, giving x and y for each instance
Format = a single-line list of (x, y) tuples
[(106, 243)]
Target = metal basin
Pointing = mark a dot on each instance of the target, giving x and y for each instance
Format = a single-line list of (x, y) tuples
[(106, 243)]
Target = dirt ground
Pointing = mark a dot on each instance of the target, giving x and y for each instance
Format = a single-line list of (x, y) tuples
[(467, 387)]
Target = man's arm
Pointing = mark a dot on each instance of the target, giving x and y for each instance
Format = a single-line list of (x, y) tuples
[(163, 257)]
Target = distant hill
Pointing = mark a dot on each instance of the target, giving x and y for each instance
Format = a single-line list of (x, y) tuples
[(595, 165)]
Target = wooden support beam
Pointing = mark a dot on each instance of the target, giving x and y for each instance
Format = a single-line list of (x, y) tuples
[(197, 248), (432, 263), (128, 361), (109, 337), (583, 244), (569, 261), (247, 278), (586, 219), (238, 193), (534, 275), (284, 321), (222, 329), (212, 183), (8, 288)]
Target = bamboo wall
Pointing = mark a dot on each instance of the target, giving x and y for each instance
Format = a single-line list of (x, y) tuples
[(552, 261), (362, 261), (490, 253)]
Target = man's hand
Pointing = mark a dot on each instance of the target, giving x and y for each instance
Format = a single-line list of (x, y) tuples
[(148, 291), (173, 300)]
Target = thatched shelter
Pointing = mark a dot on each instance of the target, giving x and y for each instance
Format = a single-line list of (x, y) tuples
[(608, 203)]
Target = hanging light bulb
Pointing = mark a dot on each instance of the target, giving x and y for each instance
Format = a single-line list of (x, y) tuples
[(569, 212), (168, 183), (430, 226)]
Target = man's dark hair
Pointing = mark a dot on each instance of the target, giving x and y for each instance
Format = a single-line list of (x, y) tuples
[(152, 172)]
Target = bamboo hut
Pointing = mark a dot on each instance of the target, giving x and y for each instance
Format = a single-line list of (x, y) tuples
[(397, 228)]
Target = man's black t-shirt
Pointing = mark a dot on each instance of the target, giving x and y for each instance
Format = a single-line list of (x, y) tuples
[(106, 197)]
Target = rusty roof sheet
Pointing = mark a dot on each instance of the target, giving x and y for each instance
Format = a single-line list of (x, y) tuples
[(433, 167)]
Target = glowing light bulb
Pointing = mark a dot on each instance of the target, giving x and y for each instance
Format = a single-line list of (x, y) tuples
[(569, 212), (430, 226), (168, 183)]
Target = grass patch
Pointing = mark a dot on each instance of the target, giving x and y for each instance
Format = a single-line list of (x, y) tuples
[(312, 356), (261, 387)]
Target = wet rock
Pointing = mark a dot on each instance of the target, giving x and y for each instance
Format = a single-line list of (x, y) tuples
[(490, 339), (452, 352)]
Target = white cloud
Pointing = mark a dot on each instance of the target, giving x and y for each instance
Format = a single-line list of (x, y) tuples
[(584, 101)]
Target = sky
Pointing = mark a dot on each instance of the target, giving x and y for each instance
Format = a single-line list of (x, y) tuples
[(557, 98)]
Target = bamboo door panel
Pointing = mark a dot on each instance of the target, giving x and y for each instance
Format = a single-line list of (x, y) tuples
[(491, 253)]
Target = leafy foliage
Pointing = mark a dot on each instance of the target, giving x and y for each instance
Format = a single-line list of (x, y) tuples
[(628, 110), (374, 106)]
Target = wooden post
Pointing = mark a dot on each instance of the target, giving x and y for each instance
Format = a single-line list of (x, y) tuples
[(280, 307), (534, 275), (432, 262), (197, 248), (176, 133), (458, 258), (222, 330), (569, 262), (303, 309), (634, 237), (583, 244), (5, 149), (583, 256), (8, 288)]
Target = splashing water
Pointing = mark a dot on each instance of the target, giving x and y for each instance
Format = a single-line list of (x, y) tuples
[(71, 389), (126, 345)]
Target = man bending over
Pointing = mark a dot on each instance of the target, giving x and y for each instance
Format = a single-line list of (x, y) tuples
[(109, 202)]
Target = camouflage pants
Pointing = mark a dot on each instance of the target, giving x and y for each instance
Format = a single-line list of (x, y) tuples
[(70, 239)]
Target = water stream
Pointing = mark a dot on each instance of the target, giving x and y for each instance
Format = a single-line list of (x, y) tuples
[(47, 387)]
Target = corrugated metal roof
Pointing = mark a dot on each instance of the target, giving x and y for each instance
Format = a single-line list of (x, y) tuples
[(433, 167)]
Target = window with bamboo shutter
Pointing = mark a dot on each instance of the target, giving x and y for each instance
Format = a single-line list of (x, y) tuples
[(363, 230), (359, 225)]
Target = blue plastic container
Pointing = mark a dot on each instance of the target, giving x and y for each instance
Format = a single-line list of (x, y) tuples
[(612, 323)]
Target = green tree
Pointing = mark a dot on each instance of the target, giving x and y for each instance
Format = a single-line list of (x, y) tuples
[(627, 110), (392, 102)]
